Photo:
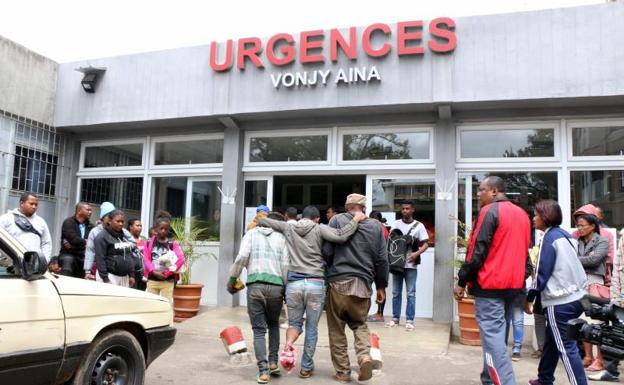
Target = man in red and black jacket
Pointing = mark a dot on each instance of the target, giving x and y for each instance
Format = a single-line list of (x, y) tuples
[(494, 273)]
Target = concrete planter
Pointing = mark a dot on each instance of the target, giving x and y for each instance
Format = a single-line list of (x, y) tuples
[(186, 300)]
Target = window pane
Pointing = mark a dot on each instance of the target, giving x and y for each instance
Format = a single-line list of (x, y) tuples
[(170, 195), (523, 188), (114, 156), (206, 207), (408, 145), (604, 189), (191, 152), (256, 193), (507, 143), (125, 193), (598, 141), (34, 171), (288, 149), (389, 193)]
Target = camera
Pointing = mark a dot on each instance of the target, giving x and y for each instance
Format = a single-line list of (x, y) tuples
[(609, 335)]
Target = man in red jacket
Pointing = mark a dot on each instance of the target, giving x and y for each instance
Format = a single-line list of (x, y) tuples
[(494, 272)]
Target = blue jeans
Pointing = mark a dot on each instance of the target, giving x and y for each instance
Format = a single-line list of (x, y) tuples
[(409, 276), (557, 345), (492, 315), (517, 322), (306, 296), (264, 303)]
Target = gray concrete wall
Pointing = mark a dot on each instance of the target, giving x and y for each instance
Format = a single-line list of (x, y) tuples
[(27, 82), (561, 53)]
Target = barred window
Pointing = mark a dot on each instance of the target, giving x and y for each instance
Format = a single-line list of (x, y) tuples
[(36, 159)]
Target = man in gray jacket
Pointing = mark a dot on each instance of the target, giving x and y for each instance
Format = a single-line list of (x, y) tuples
[(353, 267), (305, 289)]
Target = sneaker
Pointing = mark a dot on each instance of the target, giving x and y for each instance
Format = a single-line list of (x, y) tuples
[(366, 369), (263, 378), (274, 369), (603, 375), (392, 324), (343, 378), (409, 326), (515, 356), (305, 373), (535, 382)]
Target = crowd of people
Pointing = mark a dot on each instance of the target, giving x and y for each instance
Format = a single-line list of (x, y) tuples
[(112, 252), (565, 268), (292, 258)]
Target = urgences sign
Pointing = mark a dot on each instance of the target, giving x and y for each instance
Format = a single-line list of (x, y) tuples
[(282, 49)]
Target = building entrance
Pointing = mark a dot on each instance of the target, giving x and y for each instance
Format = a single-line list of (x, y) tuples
[(322, 191)]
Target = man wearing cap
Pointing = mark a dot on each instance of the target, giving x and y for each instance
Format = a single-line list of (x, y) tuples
[(305, 288), (74, 234), (352, 268), (89, 260)]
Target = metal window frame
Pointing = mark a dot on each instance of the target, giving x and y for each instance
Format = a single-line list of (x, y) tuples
[(504, 126), (571, 124), (392, 129), (112, 142), (181, 138), (327, 132)]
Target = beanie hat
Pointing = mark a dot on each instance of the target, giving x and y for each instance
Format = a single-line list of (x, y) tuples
[(106, 208)]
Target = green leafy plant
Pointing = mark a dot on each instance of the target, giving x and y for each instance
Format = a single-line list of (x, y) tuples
[(187, 233)]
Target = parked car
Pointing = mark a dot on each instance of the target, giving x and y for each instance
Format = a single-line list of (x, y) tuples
[(57, 330)]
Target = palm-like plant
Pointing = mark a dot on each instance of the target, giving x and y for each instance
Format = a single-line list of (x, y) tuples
[(187, 232)]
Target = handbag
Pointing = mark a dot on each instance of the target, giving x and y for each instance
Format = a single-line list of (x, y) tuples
[(599, 290)]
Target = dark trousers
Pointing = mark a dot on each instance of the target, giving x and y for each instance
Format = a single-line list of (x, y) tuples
[(71, 265), (557, 345), (611, 366), (264, 303)]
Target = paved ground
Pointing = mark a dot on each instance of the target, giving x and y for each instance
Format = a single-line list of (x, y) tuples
[(423, 356)]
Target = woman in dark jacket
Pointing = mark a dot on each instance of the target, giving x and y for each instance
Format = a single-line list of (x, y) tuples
[(114, 256), (592, 252)]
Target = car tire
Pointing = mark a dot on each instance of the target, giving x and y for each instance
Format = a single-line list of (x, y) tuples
[(114, 358)]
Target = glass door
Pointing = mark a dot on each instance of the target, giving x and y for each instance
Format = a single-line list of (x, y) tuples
[(258, 191), (204, 205), (386, 193)]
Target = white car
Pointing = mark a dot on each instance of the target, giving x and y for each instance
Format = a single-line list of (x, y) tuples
[(57, 330)]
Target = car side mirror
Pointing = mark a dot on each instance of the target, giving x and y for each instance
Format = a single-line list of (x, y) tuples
[(34, 265)]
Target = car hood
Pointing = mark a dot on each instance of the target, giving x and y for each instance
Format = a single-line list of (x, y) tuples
[(77, 286)]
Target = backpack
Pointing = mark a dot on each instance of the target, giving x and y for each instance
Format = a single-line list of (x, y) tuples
[(399, 245)]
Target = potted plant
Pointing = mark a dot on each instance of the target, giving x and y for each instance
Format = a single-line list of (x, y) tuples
[(186, 294), (468, 327)]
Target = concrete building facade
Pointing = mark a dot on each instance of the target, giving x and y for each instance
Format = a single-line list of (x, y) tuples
[(417, 110)]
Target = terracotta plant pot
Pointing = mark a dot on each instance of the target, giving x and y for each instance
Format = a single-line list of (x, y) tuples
[(186, 300), (468, 327)]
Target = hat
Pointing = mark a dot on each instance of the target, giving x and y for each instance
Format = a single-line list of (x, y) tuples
[(106, 208), (262, 208), (356, 199)]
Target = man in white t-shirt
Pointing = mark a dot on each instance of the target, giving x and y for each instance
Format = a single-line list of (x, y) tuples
[(408, 226)]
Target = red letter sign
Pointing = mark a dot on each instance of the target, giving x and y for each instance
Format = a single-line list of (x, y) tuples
[(305, 45), (288, 50), (447, 34), (214, 49), (366, 40), (251, 52), (403, 36), (336, 39)]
